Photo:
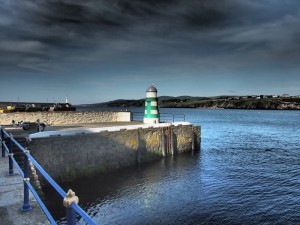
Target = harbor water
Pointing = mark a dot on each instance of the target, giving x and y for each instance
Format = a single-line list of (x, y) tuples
[(246, 172)]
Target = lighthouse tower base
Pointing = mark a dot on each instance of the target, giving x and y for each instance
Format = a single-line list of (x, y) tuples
[(151, 120)]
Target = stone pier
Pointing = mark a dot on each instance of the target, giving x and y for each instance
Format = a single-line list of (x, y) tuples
[(65, 118), (69, 154)]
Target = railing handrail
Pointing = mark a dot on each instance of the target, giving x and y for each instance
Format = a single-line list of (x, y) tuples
[(173, 116), (165, 117), (76, 207)]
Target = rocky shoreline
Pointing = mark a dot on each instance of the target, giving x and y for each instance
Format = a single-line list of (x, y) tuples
[(240, 104)]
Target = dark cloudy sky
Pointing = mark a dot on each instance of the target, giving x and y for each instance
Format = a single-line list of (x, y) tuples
[(100, 50)]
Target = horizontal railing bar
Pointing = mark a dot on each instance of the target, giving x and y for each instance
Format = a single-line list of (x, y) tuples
[(17, 144), (141, 113), (83, 214), (47, 213), (42, 205), (5, 132), (176, 114), (42, 171), (46, 176), (163, 116), (17, 165), (6, 148), (13, 159)]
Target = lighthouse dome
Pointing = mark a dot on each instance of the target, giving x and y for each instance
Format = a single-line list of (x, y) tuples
[(151, 89)]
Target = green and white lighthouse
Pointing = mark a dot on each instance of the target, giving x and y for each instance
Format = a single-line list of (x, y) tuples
[(151, 106)]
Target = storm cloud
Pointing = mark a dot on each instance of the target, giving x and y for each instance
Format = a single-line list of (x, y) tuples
[(168, 36), (34, 32)]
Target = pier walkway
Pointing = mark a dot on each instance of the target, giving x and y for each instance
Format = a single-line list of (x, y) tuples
[(11, 200)]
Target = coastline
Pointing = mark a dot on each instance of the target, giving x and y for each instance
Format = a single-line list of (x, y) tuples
[(210, 103)]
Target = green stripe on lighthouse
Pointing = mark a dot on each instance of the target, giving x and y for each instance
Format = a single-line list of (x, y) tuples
[(152, 116)]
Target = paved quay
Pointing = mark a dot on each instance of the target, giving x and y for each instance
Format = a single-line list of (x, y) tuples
[(11, 200), (90, 125)]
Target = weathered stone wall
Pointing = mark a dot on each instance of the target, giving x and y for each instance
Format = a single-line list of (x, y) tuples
[(66, 158), (57, 118)]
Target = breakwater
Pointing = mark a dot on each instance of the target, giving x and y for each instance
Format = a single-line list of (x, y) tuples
[(64, 118), (69, 155)]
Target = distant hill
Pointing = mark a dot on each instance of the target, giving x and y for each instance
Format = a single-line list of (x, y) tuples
[(120, 103), (225, 102)]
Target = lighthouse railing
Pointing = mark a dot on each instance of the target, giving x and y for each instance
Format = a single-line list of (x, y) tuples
[(172, 117), (164, 117)]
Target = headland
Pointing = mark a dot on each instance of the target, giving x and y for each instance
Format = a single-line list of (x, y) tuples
[(270, 102)]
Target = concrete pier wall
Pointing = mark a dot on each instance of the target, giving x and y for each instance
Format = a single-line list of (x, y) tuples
[(58, 118), (66, 158)]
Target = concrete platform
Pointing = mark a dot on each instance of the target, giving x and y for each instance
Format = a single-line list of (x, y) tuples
[(11, 200), (95, 128), (17, 131)]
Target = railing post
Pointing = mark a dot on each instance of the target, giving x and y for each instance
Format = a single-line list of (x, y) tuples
[(26, 205), (68, 200), (173, 118), (71, 218), (2, 142), (11, 154)]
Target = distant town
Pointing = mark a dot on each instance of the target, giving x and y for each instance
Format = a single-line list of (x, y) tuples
[(266, 96)]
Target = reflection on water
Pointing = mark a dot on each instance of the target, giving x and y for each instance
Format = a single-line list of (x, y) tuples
[(247, 172)]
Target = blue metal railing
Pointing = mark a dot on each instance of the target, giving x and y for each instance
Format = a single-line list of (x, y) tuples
[(163, 117), (171, 117), (73, 207)]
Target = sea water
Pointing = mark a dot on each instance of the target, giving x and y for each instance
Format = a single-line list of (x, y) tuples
[(246, 172)]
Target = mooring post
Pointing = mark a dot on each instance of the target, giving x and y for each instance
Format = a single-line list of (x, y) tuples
[(68, 200), (26, 205), (163, 142), (11, 154), (172, 141), (138, 149), (193, 139), (2, 142)]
